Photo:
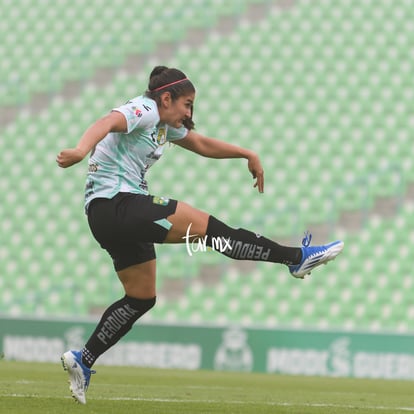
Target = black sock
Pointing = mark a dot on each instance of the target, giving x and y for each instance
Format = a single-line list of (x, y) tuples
[(116, 321), (242, 244)]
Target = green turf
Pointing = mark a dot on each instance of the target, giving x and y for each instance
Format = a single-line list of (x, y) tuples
[(42, 388)]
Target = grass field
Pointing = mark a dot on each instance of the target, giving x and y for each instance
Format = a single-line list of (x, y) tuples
[(42, 388)]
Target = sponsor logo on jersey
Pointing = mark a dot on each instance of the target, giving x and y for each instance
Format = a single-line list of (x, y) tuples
[(137, 112), (93, 168)]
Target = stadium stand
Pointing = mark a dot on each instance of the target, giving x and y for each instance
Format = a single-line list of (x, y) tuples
[(55, 42), (322, 93)]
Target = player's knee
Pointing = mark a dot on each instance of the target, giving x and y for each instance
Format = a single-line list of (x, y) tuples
[(147, 304), (150, 303)]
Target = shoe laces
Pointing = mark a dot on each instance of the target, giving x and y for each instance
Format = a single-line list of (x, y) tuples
[(306, 241)]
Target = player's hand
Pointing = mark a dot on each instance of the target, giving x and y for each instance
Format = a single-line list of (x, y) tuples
[(68, 157), (256, 169)]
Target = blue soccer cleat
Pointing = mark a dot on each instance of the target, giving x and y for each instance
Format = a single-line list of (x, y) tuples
[(79, 374), (313, 256)]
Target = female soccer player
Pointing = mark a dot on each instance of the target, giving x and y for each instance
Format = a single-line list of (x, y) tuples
[(126, 220)]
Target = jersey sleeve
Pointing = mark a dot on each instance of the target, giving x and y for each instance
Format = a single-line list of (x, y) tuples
[(136, 115), (174, 134)]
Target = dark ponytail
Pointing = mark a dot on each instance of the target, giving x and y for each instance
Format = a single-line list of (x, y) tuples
[(155, 72), (163, 79)]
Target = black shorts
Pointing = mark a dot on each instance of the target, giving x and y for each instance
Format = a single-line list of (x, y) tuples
[(128, 225)]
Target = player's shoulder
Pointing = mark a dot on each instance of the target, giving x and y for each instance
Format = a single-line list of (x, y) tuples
[(140, 110), (144, 104)]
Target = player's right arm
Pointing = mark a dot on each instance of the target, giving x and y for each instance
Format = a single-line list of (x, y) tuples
[(113, 122)]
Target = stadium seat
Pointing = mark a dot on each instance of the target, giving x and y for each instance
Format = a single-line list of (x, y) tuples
[(326, 106)]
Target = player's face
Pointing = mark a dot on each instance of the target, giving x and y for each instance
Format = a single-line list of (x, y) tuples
[(173, 113)]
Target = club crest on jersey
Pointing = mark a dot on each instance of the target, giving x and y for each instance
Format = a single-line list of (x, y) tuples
[(162, 136)]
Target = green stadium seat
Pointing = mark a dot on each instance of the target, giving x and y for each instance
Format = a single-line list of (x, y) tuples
[(325, 105)]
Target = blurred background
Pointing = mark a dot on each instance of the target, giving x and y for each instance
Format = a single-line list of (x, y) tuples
[(321, 89)]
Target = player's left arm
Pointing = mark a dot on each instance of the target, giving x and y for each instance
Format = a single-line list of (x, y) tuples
[(214, 148)]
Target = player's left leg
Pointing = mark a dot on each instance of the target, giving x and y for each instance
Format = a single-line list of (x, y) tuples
[(139, 285)]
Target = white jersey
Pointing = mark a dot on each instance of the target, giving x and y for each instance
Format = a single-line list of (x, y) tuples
[(119, 162)]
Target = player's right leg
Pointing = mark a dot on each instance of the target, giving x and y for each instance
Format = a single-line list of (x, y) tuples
[(189, 224), (313, 256)]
